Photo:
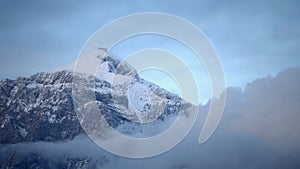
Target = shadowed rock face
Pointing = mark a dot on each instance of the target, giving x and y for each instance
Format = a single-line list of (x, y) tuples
[(38, 108)]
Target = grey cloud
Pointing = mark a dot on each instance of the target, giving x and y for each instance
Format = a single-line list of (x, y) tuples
[(269, 110), (259, 129)]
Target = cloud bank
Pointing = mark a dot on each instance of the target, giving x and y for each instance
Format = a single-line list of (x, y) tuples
[(259, 129)]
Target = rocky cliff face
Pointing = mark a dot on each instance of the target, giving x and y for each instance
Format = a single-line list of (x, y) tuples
[(38, 108)]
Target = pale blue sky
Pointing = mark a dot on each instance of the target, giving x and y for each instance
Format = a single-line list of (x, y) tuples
[(253, 38)]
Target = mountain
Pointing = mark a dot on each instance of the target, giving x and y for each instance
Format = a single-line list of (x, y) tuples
[(40, 108)]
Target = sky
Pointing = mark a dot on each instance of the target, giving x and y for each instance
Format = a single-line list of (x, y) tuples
[(253, 39)]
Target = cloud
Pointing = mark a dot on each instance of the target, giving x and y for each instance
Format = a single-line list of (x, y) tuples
[(259, 129), (269, 109)]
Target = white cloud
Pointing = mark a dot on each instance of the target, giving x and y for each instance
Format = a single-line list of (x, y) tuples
[(269, 109)]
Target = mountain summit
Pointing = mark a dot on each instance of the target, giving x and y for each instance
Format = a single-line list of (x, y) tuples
[(41, 107)]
